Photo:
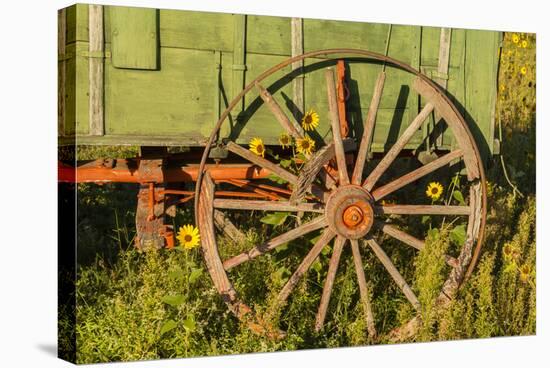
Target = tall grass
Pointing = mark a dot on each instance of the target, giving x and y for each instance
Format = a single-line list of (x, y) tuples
[(135, 305)]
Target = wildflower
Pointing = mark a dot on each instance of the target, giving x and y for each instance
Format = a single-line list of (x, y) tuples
[(305, 145), (515, 38), (502, 87), (525, 273), (256, 145), (508, 252), (285, 140), (523, 70), (310, 121), (434, 190), (188, 236), (524, 43)]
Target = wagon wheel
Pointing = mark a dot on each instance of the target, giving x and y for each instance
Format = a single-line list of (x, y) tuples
[(348, 204)]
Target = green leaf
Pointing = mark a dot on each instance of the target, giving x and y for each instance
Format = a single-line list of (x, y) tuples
[(173, 300), (285, 163), (195, 274), (281, 247), (275, 219), (276, 179), (317, 266), (433, 233), (189, 324), (326, 250), (458, 234), (425, 219), (301, 156), (176, 274), (459, 197), (168, 326)]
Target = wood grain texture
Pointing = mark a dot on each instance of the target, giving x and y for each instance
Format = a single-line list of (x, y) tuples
[(410, 240), (316, 224), (260, 161), (394, 273), (290, 127), (368, 130), (308, 260), (335, 127), (415, 175), (297, 48), (392, 154), (61, 70), (208, 243), (363, 289), (96, 70), (411, 209), (259, 205), (329, 282), (226, 226)]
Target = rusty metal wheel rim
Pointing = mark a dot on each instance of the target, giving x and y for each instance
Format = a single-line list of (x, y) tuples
[(467, 259)]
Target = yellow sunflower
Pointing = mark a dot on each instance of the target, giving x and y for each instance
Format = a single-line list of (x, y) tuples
[(310, 121), (188, 236), (515, 38), (523, 70), (256, 145), (305, 145), (285, 140), (524, 43), (434, 190)]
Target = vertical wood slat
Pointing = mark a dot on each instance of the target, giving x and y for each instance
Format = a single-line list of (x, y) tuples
[(335, 125), (239, 57), (61, 69), (96, 70), (297, 48), (443, 70)]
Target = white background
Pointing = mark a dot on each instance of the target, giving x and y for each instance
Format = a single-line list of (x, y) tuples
[(28, 123)]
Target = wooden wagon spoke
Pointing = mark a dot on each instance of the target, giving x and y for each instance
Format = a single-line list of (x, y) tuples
[(308, 260), (316, 224), (274, 168), (368, 131), (250, 205), (365, 299), (335, 125), (410, 209), (394, 273), (410, 240), (276, 110), (260, 161), (422, 171), (329, 282), (397, 147)]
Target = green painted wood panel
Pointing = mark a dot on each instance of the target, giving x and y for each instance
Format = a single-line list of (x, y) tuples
[(182, 98), (196, 30), (183, 106), (268, 35), (481, 65), (77, 23), (134, 37)]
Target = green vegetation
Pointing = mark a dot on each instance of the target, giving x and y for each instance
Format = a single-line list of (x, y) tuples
[(135, 305)]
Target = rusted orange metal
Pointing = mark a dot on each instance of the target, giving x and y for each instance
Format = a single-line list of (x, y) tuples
[(129, 171), (343, 94)]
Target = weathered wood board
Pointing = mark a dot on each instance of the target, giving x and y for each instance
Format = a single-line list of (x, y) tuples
[(167, 84)]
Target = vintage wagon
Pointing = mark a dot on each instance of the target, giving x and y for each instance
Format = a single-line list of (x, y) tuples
[(190, 89)]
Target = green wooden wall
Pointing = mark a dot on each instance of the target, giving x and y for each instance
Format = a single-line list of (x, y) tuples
[(167, 80)]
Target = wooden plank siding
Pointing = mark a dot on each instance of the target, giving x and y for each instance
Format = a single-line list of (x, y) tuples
[(176, 100)]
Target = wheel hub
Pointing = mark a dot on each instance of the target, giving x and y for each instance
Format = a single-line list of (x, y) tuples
[(349, 211)]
